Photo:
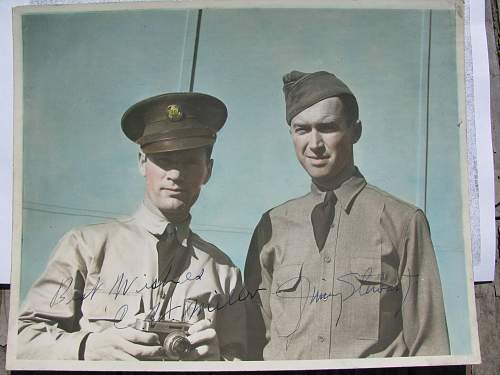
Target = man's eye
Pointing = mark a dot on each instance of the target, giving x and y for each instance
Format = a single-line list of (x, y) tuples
[(189, 162), (299, 130), (328, 128), (159, 160)]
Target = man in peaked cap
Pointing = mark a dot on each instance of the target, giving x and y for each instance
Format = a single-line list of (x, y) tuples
[(109, 288), (346, 271)]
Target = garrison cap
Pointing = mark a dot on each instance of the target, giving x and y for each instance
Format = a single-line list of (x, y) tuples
[(303, 90), (174, 121)]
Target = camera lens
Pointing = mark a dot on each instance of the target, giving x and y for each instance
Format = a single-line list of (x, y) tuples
[(180, 345), (176, 346)]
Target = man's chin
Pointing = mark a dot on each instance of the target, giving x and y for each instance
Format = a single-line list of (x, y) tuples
[(319, 173), (173, 208)]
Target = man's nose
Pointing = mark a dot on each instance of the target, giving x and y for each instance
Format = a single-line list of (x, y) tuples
[(173, 173), (316, 141)]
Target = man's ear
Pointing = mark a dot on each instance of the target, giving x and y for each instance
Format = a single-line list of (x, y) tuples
[(356, 131), (142, 163), (209, 171)]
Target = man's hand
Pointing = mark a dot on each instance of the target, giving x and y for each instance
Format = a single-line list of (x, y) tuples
[(203, 338), (128, 344)]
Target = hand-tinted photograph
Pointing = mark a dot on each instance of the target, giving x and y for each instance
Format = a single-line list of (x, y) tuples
[(202, 183)]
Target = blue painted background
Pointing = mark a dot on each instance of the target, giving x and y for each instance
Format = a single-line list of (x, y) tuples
[(82, 71)]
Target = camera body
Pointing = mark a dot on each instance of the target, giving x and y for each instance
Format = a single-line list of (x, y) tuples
[(173, 336)]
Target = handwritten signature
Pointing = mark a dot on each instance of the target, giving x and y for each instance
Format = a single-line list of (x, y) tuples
[(351, 285), (191, 308), (122, 285)]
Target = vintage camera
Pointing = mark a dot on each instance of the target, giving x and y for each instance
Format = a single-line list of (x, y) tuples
[(173, 336)]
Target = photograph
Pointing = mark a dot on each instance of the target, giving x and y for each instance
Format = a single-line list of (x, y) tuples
[(242, 185)]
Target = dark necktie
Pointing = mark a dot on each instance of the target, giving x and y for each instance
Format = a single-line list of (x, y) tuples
[(168, 269), (166, 250), (322, 217)]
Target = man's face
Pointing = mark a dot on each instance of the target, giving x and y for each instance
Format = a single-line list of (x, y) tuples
[(174, 179), (323, 137)]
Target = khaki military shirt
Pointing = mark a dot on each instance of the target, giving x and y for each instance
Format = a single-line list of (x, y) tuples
[(373, 291), (102, 276)]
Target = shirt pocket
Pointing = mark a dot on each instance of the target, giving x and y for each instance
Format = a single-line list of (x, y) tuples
[(372, 282), (289, 293)]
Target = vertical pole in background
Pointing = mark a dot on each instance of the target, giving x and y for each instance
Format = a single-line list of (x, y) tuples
[(195, 51), (423, 120), (190, 50), (427, 112)]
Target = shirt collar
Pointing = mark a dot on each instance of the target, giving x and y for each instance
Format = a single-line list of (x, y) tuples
[(156, 224), (347, 190)]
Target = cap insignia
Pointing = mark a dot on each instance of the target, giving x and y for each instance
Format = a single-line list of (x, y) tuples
[(174, 112)]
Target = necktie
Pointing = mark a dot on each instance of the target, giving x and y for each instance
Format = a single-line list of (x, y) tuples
[(166, 247), (168, 270), (322, 217)]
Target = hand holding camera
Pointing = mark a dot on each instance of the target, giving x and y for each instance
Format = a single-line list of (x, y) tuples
[(127, 344), (162, 340), (203, 338), (184, 341)]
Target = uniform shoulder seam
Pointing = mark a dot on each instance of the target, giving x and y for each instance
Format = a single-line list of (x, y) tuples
[(391, 197), (112, 221), (286, 203), (214, 252)]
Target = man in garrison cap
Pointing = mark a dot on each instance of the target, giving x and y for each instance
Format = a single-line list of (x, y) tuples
[(347, 270), (112, 291)]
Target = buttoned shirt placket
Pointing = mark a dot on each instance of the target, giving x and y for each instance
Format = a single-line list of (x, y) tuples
[(328, 306)]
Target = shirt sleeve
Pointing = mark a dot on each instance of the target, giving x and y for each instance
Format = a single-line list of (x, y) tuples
[(424, 322), (48, 325), (258, 280)]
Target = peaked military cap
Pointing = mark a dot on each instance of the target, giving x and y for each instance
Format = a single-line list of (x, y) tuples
[(174, 121), (303, 90)]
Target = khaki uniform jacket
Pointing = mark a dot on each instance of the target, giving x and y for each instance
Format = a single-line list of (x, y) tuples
[(373, 291), (101, 276)]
